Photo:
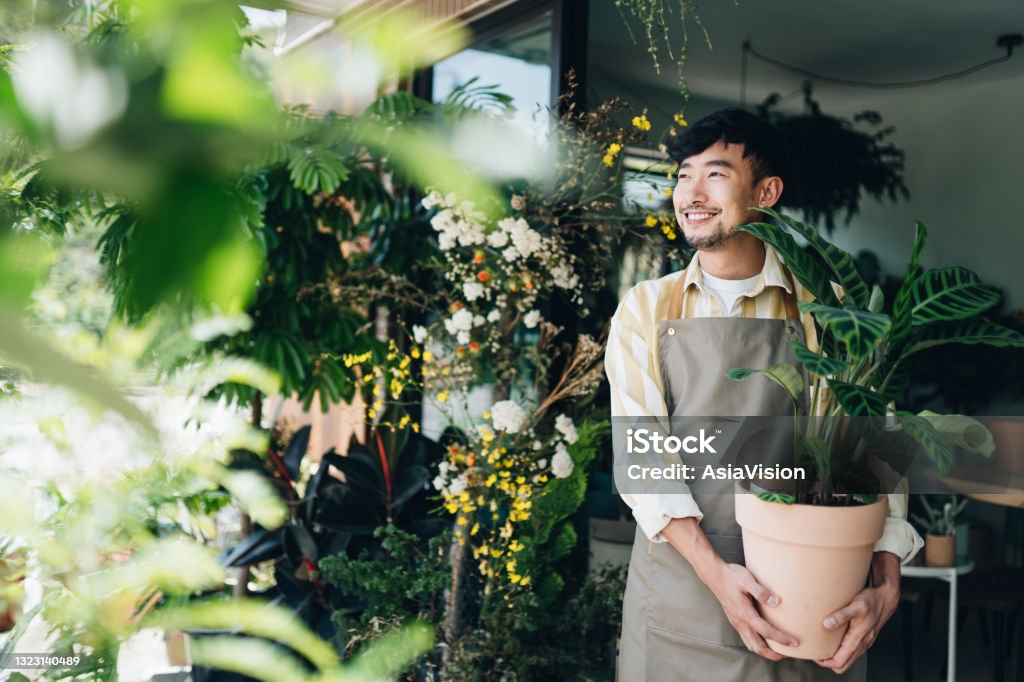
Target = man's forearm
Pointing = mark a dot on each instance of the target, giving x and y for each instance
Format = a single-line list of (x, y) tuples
[(686, 536), (885, 571)]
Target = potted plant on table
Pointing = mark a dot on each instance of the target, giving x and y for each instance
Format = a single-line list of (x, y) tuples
[(812, 544), (940, 529)]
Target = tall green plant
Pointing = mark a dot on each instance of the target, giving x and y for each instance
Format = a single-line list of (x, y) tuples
[(860, 369)]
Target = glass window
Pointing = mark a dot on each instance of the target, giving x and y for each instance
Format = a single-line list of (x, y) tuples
[(518, 61)]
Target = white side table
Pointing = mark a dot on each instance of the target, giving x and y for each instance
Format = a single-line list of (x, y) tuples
[(950, 576)]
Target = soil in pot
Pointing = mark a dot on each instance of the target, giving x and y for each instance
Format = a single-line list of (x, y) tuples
[(815, 558)]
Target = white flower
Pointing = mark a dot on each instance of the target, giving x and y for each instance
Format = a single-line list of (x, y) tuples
[(462, 337), (431, 200), (518, 203), (472, 290), (536, 445), (494, 315), (564, 426), (478, 320), (438, 480), (419, 334), (507, 416), (450, 199), (498, 239), (459, 484), (531, 319), (526, 240), (461, 321), (564, 277), (511, 253), (542, 462), (446, 241), (561, 463)]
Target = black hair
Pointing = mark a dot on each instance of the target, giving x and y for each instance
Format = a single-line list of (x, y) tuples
[(762, 142)]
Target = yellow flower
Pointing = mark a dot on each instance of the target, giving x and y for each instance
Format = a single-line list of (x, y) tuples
[(680, 121), (641, 122), (462, 521), (490, 480), (668, 191), (651, 221), (475, 529), (415, 353), (487, 415), (427, 356), (415, 427), (608, 159), (442, 396), (515, 579), (525, 581), (614, 148)]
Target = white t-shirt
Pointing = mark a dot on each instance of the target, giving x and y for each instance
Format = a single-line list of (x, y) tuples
[(728, 291)]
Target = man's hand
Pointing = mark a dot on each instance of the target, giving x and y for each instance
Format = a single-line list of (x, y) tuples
[(735, 588), (733, 585), (867, 613)]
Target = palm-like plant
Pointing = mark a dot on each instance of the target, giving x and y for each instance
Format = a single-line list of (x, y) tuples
[(861, 369)]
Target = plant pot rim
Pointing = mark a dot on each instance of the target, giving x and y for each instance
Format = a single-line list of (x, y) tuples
[(812, 524)]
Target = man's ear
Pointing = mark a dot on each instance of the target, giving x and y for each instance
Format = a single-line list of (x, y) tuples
[(769, 190)]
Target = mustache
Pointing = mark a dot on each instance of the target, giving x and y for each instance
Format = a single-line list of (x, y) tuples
[(703, 209)]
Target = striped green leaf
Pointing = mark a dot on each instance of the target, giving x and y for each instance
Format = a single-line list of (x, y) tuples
[(936, 445), (950, 294), (859, 330), (812, 274), (784, 374), (902, 308), (968, 332), (817, 364), (841, 263), (858, 401)]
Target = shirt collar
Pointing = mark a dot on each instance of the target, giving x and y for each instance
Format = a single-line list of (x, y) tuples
[(772, 274)]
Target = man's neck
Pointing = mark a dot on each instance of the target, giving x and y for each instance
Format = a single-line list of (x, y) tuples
[(739, 258)]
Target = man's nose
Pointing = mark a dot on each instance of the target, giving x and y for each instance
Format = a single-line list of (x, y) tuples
[(694, 193)]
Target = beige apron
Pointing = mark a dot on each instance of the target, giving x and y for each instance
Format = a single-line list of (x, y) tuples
[(673, 627)]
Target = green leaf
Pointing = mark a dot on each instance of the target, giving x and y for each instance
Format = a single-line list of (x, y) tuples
[(968, 332), (812, 274), (22, 348), (936, 446), (263, 620), (877, 301), (781, 498), (840, 262), (950, 294), (962, 431), (858, 401), (784, 374), (860, 330), (902, 307), (815, 363)]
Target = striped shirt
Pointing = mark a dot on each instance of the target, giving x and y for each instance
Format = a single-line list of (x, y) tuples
[(631, 362)]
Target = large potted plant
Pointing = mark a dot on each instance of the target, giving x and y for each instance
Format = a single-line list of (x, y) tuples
[(812, 543)]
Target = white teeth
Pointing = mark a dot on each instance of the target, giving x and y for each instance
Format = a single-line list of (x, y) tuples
[(699, 216)]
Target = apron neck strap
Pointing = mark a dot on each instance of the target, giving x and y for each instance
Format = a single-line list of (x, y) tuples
[(679, 296)]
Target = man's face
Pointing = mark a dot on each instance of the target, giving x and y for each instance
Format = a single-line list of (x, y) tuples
[(713, 194)]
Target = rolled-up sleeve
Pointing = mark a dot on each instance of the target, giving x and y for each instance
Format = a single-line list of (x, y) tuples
[(636, 393), (899, 537)]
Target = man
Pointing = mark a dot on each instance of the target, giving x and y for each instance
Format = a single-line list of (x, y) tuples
[(689, 607)]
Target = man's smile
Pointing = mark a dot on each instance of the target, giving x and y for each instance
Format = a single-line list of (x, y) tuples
[(700, 216)]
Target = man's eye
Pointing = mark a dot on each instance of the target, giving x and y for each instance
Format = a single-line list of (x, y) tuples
[(713, 173)]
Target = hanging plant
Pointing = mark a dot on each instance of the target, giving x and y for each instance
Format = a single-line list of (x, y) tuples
[(653, 16), (833, 164)]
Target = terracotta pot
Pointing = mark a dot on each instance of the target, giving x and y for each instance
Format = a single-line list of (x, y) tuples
[(939, 550), (814, 558), (1008, 435)]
